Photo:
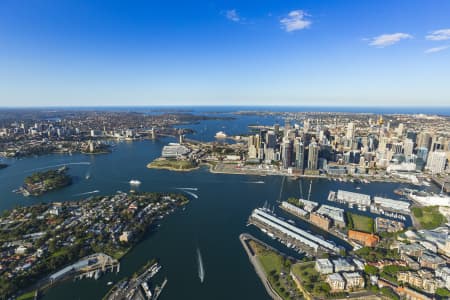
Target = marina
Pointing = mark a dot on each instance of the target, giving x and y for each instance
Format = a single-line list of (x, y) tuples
[(138, 287), (377, 205)]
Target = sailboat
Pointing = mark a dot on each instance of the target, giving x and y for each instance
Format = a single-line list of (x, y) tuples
[(201, 270)]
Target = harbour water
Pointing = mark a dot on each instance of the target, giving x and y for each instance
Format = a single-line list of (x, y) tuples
[(214, 220)]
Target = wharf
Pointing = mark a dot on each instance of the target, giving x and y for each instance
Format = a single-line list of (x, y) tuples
[(333, 231)]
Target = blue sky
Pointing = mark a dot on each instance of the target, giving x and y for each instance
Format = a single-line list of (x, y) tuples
[(280, 52)]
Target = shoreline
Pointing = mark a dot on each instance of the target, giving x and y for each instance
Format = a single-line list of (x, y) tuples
[(244, 237), (212, 168), (44, 283), (149, 166)]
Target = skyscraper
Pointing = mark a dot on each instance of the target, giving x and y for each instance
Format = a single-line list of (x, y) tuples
[(306, 125), (253, 146), (424, 140), (271, 139), (350, 131), (436, 162), (313, 156), (399, 130), (408, 147), (299, 149), (422, 153), (397, 148), (287, 154)]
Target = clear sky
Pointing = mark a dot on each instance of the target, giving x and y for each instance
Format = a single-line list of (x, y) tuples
[(261, 52)]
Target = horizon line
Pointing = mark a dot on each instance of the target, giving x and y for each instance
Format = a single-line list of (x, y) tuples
[(226, 105)]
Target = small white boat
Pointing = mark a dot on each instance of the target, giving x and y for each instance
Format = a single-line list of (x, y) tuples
[(135, 182)]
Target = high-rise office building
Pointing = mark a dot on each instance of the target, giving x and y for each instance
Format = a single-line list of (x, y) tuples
[(299, 150), (399, 130), (276, 128), (424, 140), (436, 162), (313, 156), (306, 125), (438, 144), (422, 153), (350, 131), (271, 139), (287, 154), (408, 147), (253, 146), (411, 135), (397, 148)]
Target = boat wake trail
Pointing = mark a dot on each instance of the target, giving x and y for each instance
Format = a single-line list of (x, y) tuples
[(87, 193), (201, 269), (255, 182), (192, 194), (188, 188), (83, 163)]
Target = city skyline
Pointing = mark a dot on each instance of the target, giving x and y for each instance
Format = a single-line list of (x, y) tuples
[(305, 53)]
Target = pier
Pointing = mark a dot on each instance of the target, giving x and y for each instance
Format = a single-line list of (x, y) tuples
[(290, 234), (333, 231), (137, 288), (92, 266)]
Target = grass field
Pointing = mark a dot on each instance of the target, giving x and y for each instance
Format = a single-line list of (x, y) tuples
[(274, 265), (27, 296), (180, 165), (311, 279), (270, 260), (429, 217), (360, 223)]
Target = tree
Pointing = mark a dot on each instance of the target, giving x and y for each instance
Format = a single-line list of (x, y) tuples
[(371, 270), (443, 293)]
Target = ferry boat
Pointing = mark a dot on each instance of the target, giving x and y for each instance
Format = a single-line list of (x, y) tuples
[(134, 182)]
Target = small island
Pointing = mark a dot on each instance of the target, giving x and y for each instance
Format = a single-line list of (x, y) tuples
[(42, 182)]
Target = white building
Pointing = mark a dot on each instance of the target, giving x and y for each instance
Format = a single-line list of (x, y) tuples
[(324, 266), (350, 131), (353, 280), (351, 197), (436, 162), (174, 150), (401, 167), (308, 205), (334, 213), (391, 204), (293, 209), (342, 265), (444, 274), (408, 147), (336, 282)]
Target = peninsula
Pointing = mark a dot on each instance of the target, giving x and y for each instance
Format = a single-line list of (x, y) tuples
[(39, 240)]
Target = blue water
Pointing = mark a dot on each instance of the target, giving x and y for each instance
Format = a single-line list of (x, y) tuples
[(212, 222), (440, 110)]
